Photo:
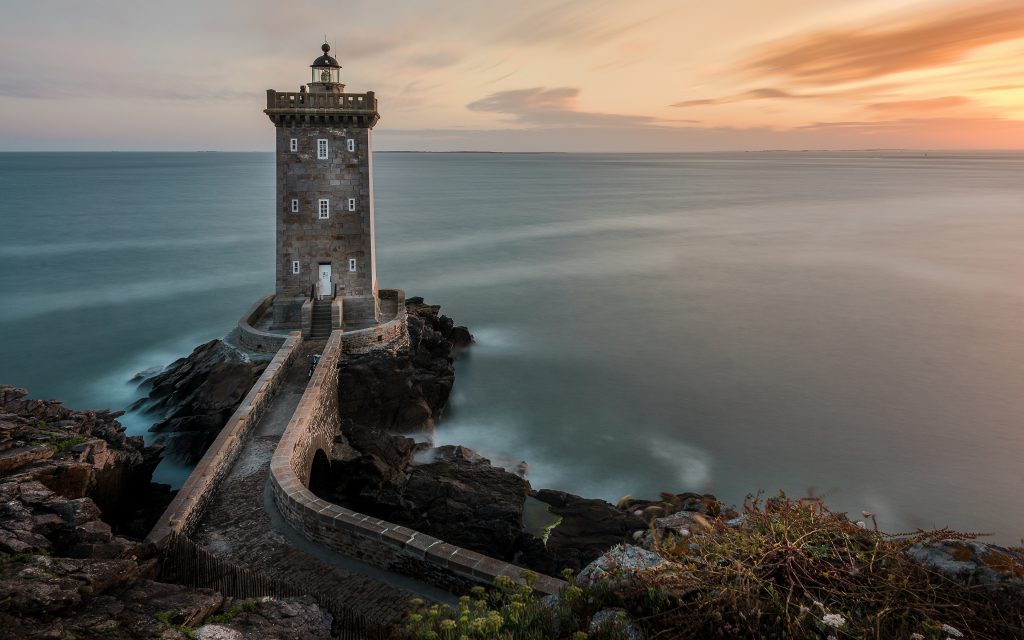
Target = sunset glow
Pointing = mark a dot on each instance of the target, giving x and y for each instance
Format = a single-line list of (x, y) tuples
[(594, 75)]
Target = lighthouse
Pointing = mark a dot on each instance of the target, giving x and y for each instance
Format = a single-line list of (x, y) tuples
[(326, 251)]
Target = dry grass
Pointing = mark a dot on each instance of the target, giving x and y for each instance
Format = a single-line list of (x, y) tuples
[(794, 569)]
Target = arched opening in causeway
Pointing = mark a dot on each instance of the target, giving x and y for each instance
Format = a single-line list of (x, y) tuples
[(319, 472)]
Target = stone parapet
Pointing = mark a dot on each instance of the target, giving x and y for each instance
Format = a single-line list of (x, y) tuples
[(391, 334), (314, 108), (258, 340), (381, 543), (185, 511)]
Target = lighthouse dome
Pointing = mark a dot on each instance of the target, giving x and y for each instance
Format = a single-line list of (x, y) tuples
[(326, 60)]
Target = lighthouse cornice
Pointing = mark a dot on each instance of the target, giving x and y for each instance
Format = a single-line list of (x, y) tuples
[(303, 107)]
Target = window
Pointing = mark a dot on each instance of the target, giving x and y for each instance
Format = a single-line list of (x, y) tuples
[(351, 144), (325, 208), (351, 264), (295, 205), (321, 149), (351, 204), (295, 267), (294, 146)]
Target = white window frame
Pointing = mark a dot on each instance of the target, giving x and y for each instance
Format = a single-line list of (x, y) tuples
[(293, 146), (321, 148), (296, 267), (351, 204), (295, 205), (352, 264), (324, 208), (351, 144)]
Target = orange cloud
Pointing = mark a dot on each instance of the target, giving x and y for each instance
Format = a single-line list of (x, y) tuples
[(754, 94), (557, 106), (927, 39), (911, 107)]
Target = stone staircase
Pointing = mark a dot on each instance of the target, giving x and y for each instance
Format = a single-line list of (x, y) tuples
[(320, 326)]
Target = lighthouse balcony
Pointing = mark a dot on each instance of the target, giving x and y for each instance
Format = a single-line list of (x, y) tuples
[(308, 109), (291, 101)]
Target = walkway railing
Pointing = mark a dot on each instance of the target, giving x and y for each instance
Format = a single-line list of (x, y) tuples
[(184, 562)]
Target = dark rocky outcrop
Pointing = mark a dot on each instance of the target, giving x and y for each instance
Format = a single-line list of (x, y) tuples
[(407, 390), (588, 527), (67, 461), (461, 498), (193, 397)]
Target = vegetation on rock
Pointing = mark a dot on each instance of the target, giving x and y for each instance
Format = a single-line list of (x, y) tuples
[(782, 569)]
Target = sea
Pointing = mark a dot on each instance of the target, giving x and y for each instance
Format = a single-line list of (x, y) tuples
[(843, 325)]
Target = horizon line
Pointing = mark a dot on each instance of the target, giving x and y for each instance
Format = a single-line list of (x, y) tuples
[(485, 151)]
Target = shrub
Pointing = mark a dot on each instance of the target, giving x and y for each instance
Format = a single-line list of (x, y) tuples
[(794, 569), (511, 611)]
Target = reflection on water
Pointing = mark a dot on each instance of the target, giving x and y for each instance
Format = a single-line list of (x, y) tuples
[(842, 324)]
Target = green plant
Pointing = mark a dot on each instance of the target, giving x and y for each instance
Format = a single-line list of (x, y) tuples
[(166, 618), (511, 611), (67, 443), (236, 609)]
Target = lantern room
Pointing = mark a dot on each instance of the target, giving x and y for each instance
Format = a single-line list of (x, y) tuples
[(326, 72)]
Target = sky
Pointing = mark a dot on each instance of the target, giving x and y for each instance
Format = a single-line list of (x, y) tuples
[(532, 75)]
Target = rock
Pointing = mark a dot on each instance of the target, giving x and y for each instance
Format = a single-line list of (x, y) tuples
[(406, 390), (194, 396), (96, 584), (704, 504), (588, 528), (88, 456), (618, 564), (217, 632), (973, 562), (462, 499)]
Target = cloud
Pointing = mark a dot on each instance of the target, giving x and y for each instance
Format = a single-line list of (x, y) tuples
[(574, 23), (557, 106), (927, 39), (919, 106), (435, 60), (753, 94)]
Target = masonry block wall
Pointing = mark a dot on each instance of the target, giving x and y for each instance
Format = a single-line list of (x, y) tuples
[(311, 235), (373, 540), (255, 339)]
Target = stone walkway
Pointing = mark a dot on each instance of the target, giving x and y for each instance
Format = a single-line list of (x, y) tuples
[(242, 525)]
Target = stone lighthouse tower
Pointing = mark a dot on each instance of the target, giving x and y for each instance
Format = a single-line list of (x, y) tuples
[(326, 253)]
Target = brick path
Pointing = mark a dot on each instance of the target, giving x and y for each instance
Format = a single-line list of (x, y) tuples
[(241, 523)]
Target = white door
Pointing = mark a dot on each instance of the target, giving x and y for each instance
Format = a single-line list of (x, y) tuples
[(325, 279)]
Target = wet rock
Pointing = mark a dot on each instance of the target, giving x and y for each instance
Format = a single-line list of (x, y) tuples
[(194, 396), (406, 390), (461, 498), (588, 527)]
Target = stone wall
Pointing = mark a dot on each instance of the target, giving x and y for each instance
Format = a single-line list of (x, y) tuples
[(390, 334), (303, 236), (185, 511), (255, 339), (381, 543)]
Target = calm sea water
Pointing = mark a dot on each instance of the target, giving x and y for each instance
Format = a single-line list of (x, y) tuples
[(849, 325)]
